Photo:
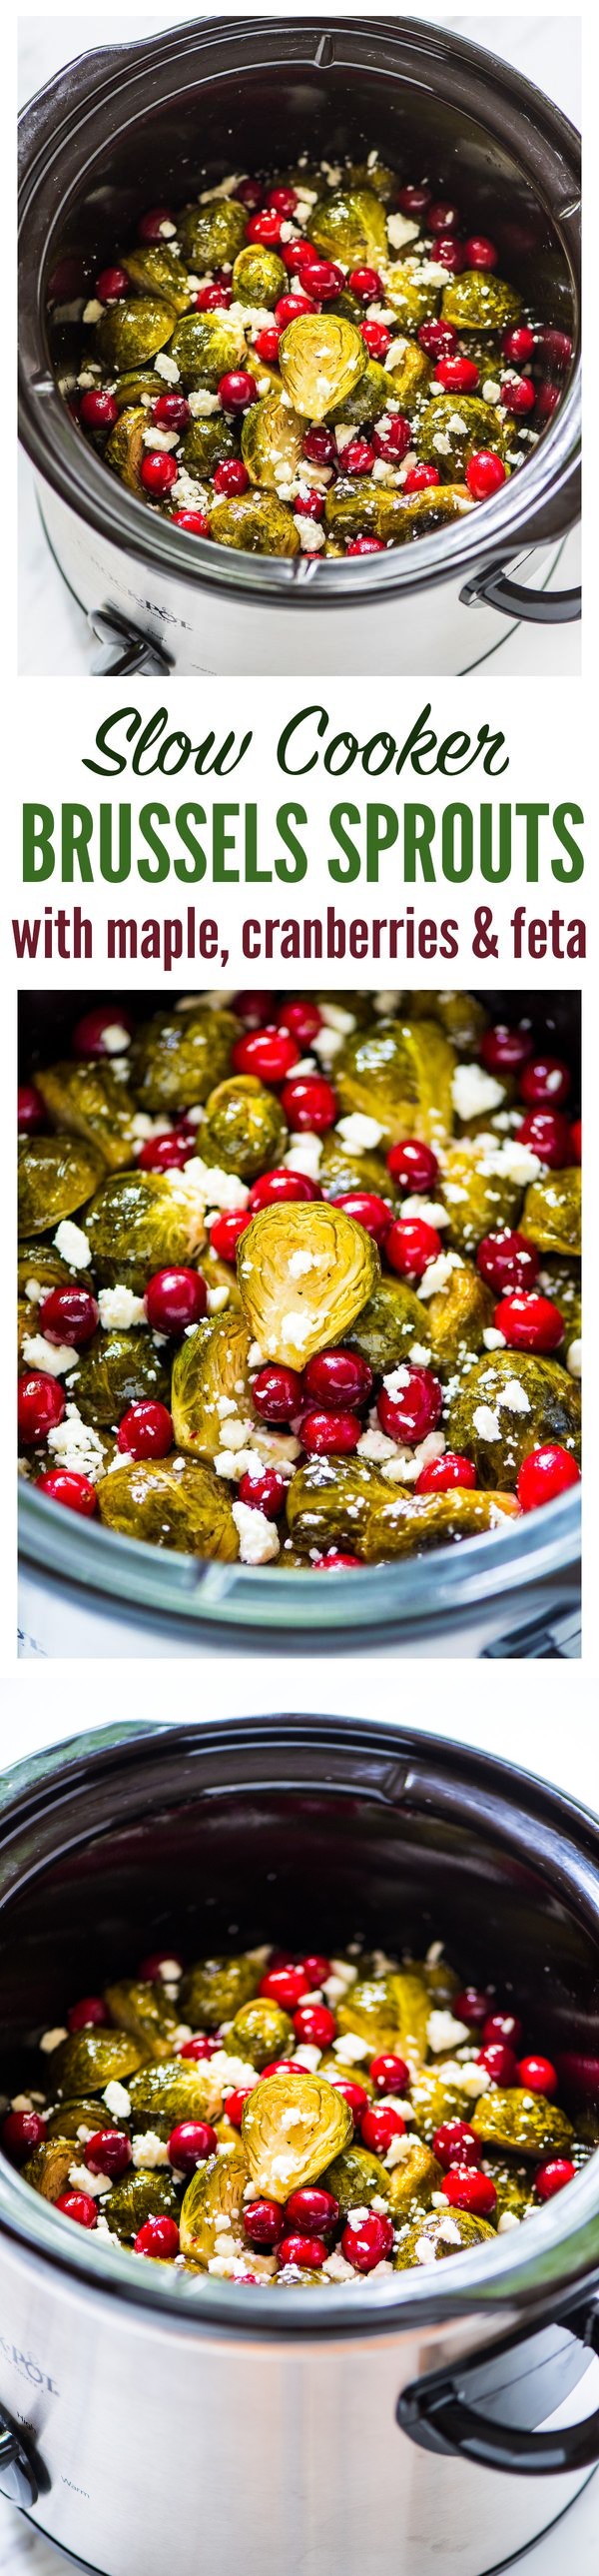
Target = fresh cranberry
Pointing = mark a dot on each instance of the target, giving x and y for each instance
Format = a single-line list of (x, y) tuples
[(449, 254), (279, 2066), (175, 1298), (285, 1986), (64, 1485), (265, 1493), (195, 521), (393, 441), (443, 1475), (507, 1260), (368, 1210), (311, 507), (204, 2045), (159, 2237), (457, 375), (78, 2205), (322, 279), (480, 253), (315, 2024), (472, 2006), (253, 1008), (41, 1404), (293, 308), (146, 1430), (278, 1188), (319, 447), (580, 2074), (234, 2104), (314, 2211), (359, 456), (306, 2252), (108, 2152), (330, 1563), (366, 546), (465, 2188), (548, 1134), (250, 192), (283, 200), (158, 473), (226, 1230), (576, 1140), (546, 1082), (111, 284), (455, 2144), (31, 1109), (297, 253), (190, 2143), (414, 1410), (171, 411), (159, 1964), (89, 2014), (505, 1050), (553, 2175), (302, 1021), (269, 1053), (518, 345), (517, 394), (414, 200), (411, 1245), (548, 400), (330, 1435), (277, 1393), (266, 344), (546, 1473), (335, 1378), (389, 2073), (167, 1153), (379, 2126), (150, 226), (213, 299), (369, 2243), (317, 1968), (499, 2061), (556, 346), (538, 2075), (421, 478), (485, 474), (441, 217), (438, 339), (366, 283), (265, 227), (309, 1101), (231, 476), (529, 1322), (503, 2025), (21, 2132), (413, 1164), (237, 389), (98, 410), (69, 1315), (263, 2223), (376, 338), (353, 2094)]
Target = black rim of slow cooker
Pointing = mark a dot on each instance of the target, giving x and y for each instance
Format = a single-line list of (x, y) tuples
[(563, 2256), (515, 518)]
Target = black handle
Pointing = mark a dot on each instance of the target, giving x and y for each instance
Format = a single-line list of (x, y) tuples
[(17, 2477), (436, 2414), (126, 649), (513, 599)]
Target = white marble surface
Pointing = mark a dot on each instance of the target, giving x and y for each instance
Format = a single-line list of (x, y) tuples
[(574, 2542), (53, 632)]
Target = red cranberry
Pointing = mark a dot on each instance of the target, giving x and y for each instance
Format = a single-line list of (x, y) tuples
[(546, 1082), (315, 2024), (529, 1322), (146, 1430), (548, 400), (279, 1188), (368, 1210), (580, 2074), (443, 1475), (31, 1109), (366, 283), (505, 1050), (548, 1134), (317, 1968), (277, 1393), (319, 447), (226, 1231), (413, 1164), (296, 253), (306, 2252), (234, 2103), (311, 507), (414, 1410), (78, 2205), (21, 2132), (293, 308), (111, 284), (213, 299), (237, 389), (485, 474), (499, 2061), (190, 2143), (285, 1986), (358, 456), (314, 2211), (421, 478), (322, 279), (338, 1378), (411, 1244), (302, 1021), (75, 1492), (465, 2188), (377, 339), (98, 410), (41, 1404), (195, 521), (159, 1964), (379, 2126), (455, 2144), (503, 2025), (552, 2176), (368, 2243), (507, 1260), (517, 394), (538, 2075), (265, 227), (69, 1315), (576, 1140), (108, 2152), (158, 473), (251, 193), (473, 2007), (389, 2073), (393, 441), (353, 2094), (438, 339), (167, 1153), (150, 226), (284, 201), (309, 1102), (264, 1493), (204, 2045), (457, 375), (556, 346), (171, 411), (518, 345), (263, 2224), (269, 1053), (441, 217), (480, 253), (89, 2014), (449, 253), (546, 1473), (159, 2237), (366, 546), (231, 476), (175, 1298), (266, 344), (331, 1562), (330, 1435), (279, 2066)]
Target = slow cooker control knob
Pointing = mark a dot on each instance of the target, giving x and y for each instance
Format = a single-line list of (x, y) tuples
[(17, 2477)]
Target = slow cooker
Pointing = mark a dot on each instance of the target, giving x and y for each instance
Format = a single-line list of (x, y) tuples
[(188, 106), (516, 1592), (152, 2419)]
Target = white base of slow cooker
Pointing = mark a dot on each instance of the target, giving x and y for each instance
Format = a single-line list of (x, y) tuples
[(56, 1618), (22, 2542)]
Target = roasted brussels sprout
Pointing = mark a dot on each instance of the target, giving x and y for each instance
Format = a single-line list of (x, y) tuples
[(132, 331), (523, 2122), (552, 1212), (170, 1502), (455, 2233), (155, 269), (260, 2032), (210, 1375), (349, 224), (39, 1266), (390, 1326), (390, 2011), (369, 398), (405, 1524), (141, 2195), (91, 2058), (463, 1018), (256, 523), (179, 2088), (207, 443), (55, 1176), (459, 1315), (272, 439), (409, 375), (374, 510), (479, 1193), (144, 2009), (116, 1370), (331, 1501), (259, 276), (212, 2208), (284, 2154), (508, 1404), (82, 2116), (178, 1056), (400, 1073), (412, 296), (244, 1129), (559, 1279), (125, 448), (304, 1272), (476, 301), (355, 2177), (452, 428), (344, 1168), (437, 2097), (141, 1220), (413, 2180), (204, 347), (215, 1989), (212, 234), (47, 2170), (321, 358)]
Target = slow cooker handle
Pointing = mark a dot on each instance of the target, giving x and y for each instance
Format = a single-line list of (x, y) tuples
[(17, 2476), (436, 2414), (125, 649), (494, 585)]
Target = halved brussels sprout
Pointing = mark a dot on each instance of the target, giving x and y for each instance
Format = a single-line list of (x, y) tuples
[(55, 1177), (376, 175), (463, 1018), (369, 398), (179, 2088), (441, 1981), (476, 301), (84, 2112), (213, 2206), (435, 2098), (259, 276), (204, 347), (210, 1373), (144, 2009), (376, 510), (40, 1264), (453, 426), (399, 1072), (396, 2005), (170, 1502), (459, 1315), (134, 330), (86, 1099), (212, 235), (177, 1057), (137, 1218), (244, 1129), (406, 1523), (321, 358), (349, 224), (413, 298), (305, 1272), (552, 1215), (124, 450), (415, 2179), (284, 2153), (455, 2233), (47, 2170), (509, 1403), (141, 2195), (208, 443), (136, 385), (410, 374), (272, 441), (356, 2177), (214, 1990), (90, 2059), (330, 1502), (155, 269), (510, 2117), (388, 1326), (479, 1199), (339, 2071), (261, 2031), (256, 523), (116, 1370)]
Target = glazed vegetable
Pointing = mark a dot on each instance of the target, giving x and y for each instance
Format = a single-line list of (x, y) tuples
[(243, 1129), (213, 2207), (508, 1404), (283, 2155), (89, 1100), (55, 1176), (304, 1274), (214, 1990), (523, 2121), (116, 1370), (90, 2059), (177, 1057), (141, 1220), (456, 2232), (170, 1502), (210, 1381), (131, 332), (399, 1074)]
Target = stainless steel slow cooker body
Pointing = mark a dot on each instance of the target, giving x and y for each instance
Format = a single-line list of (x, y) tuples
[(517, 1591), (150, 2420), (185, 106)]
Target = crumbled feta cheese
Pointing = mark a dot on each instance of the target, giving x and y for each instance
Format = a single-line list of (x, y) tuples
[(473, 1091), (51, 2039), (438, 1273), (93, 311), (117, 2099), (307, 2056), (359, 1131), (148, 2149), (258, 1538), (420, 1355), (304, 1156), (351, 2049), (491, 390), (81, 2179), (487, 1423), (441, 439), (509, 2218), (216, 1298), (513, 1397), (72, 1244), (520, 1164), (167, 368), (336, 1018), (301, 1262), (119, 1309), (424, 2250), (574, 1359), (202, 403), (53, 1357), (431, 1210), (75, 1445), (311, 535), (444, 2032), (400, 229), (449, 2233), (294, 1328), (493, 1340)]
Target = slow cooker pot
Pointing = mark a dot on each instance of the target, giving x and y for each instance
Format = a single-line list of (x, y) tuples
[(517, 1592), (153, 2420), (186, 107)]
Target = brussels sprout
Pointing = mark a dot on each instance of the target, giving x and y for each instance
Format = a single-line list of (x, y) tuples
[(136, 385), (321, 359), (458, 1315), (408, 378), (376, 175), (212, 235), (55, 1177), (208, 443), (513, 2188), (141, 2195), (284, 2154), (415, 2179), (388, 1326), (559, 1279), (85, 2112), (177, 1057), (399, 1072), (369, 397), (476, 301), (435, 2099), (552, 1212), (349, 224), (356, 2177), (454, 2233), (47, 2170), (407, 1523), (214, 1990), (218, 1274), (124, 451), (412, 297), (38, 1263), (508, 1404), (479, 1198), (155, 269), (213, 2206), (453, 426), (244, 1129), (376, 510), (442, 1983), (272, 441), (144, 2009), (255, 524), (396, 2005), (179, 2088), (305, 1272), (115, 1370), (205, 346), (138, 1218), (330, 1504), (523, 2122), (90, 2059), (261, 2032), (343, 1168), (170, 1502), (266, 375), (463, 1018), (337, 2071), (210, 1372), (134, 330), (259, 276), (87, 1099)]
